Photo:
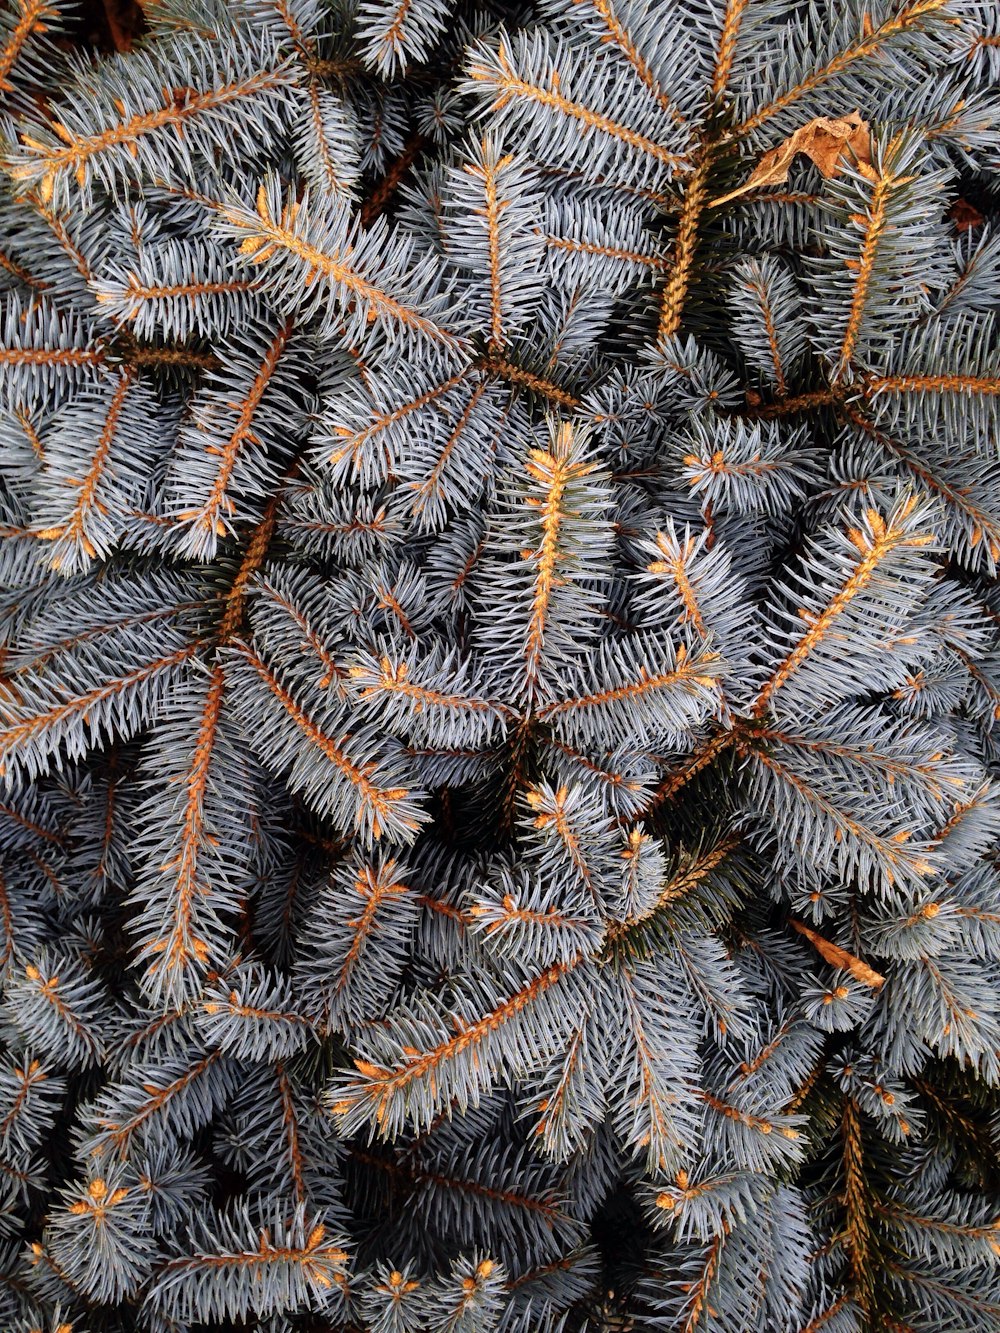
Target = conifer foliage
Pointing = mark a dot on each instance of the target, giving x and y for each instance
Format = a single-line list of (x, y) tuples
[(501, 659)]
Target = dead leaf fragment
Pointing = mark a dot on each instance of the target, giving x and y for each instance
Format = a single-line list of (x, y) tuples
[(125, 22), (827, 143), (965, 216), (838, 957)]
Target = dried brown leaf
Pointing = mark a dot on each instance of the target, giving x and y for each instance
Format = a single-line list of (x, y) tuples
[(965, 216), (838, 957), (828, 143), (125, 22)]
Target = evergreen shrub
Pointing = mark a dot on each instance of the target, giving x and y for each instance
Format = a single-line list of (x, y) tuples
[(500, 518)]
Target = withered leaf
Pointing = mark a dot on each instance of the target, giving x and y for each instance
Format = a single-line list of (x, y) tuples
[(124, 20), (965, 216), (838, 957), (826, 142)]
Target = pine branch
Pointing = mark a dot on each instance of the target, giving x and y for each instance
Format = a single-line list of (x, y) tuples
[(675, 291), (381, 1092), (693, 670), (553, 473), (535, 384), (726, 49), (43, 726), (205, 523), (958, 384), (377, 201), (700, 759), (873, 226), (869, 45), (384, 421), (181, 950), (117, 1121), (283, 228), (633, 935), (700, 1290), (859, 1222), (888, 851), (376, 805), (32, 18), (43, 165), (240, 1276), (874, 545), (497, 69), (73, 533), (616, 34), (981, 524)]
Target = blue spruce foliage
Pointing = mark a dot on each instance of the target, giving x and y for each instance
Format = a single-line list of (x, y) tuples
[(500, 668)]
